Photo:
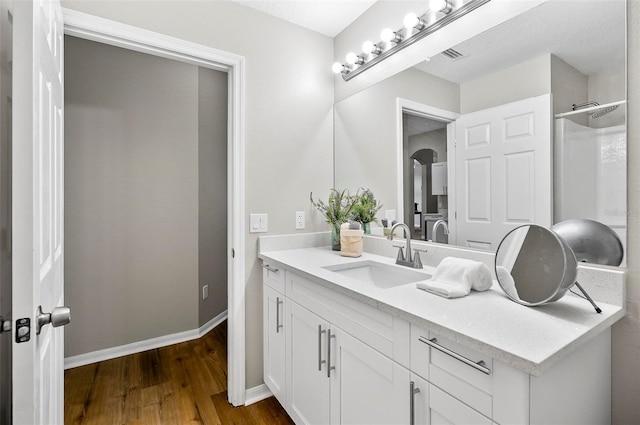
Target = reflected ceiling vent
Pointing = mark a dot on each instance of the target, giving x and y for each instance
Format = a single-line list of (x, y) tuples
[(453, 54)]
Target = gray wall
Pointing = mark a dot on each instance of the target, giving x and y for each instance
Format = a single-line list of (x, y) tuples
[(626, 333), (212, 192), (133, 213), (289, 123), (365, 131), (527, 79), (568, 86)]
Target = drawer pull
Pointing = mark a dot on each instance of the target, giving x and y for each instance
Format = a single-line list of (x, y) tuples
[(268, 267), (433, 342)]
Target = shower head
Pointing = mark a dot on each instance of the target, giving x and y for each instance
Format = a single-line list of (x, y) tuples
[(597, 113), (603, 111)]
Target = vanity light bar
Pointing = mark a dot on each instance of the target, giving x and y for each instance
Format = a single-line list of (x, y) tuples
[(399, 42)]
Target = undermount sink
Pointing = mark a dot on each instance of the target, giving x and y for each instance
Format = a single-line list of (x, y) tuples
[(380, 275)]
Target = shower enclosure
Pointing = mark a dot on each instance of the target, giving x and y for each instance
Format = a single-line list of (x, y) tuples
[(591, 174)]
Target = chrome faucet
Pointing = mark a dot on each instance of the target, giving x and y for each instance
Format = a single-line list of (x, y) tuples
[(434, 229), (407, 260)]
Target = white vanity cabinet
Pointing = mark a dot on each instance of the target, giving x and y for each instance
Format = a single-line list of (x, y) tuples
[(464, 386), (335, 379), (332, 377), (344, 361)]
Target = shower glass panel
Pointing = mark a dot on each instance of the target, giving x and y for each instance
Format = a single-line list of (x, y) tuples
[(591, 174)]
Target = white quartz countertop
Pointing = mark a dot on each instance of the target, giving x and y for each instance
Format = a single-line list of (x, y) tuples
[(531, 339)]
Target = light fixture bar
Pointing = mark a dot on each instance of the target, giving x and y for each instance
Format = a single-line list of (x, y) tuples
[(440, 23)]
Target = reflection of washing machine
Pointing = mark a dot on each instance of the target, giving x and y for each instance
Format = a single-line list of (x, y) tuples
[(429, 221)]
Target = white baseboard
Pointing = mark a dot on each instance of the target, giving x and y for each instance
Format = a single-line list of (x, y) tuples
[(256, 394), (140, 346), (204, 329)]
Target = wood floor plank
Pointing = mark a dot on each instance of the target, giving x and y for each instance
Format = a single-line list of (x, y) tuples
[(180, 384)]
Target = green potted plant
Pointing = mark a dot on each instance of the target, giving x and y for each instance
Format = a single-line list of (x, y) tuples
[(337, 210), (365, 208)]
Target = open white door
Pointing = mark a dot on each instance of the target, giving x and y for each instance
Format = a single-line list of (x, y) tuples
[(503, 171), (38, 380)]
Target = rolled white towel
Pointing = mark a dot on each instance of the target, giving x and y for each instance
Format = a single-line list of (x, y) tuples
[(455, 277)]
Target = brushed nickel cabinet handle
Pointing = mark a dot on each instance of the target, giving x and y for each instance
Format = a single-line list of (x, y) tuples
[(320, 361), (329, 367), (412, 402), (278, 324), (433, 342), (268, 267)]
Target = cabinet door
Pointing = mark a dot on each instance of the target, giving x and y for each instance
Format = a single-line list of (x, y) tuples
[(274, 342), (420, 407), (308, 396), (366, 387)]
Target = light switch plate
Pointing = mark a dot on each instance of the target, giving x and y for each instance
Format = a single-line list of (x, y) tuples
[(258, 223)]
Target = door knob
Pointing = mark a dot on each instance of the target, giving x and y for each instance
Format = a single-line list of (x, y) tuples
[(60, 316)]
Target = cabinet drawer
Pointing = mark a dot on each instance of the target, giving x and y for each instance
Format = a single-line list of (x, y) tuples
[(460, 371), (385, 333), (444, 409), (273, 274)]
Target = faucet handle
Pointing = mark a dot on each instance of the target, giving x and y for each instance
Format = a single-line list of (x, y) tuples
[(400, 252), (417, 261)]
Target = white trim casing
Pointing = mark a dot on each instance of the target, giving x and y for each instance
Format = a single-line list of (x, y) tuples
[(406, 105), (102, 30), (140, 346)]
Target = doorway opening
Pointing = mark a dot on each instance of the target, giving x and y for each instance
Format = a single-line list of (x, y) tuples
[(120, 35), (425, 141)]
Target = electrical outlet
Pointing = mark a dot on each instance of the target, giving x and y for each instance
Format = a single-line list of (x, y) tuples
[(205, 292), (299, 220)]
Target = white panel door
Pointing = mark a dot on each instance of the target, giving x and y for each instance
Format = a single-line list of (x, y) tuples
[(367, 388), (503, 170), (38, 388)]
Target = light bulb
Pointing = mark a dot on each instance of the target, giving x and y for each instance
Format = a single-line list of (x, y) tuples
[(369, 47), (389, 36), (440, 6), (411, 20), (353, 59), (337, 68)]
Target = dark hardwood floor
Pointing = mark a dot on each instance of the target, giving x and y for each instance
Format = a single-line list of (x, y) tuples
[(181, 384)]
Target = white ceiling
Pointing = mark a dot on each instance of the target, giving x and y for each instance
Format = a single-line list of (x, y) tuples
[(587, 34), (328, 17)]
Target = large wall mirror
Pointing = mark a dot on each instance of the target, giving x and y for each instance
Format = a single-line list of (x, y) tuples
[(502, 130)]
